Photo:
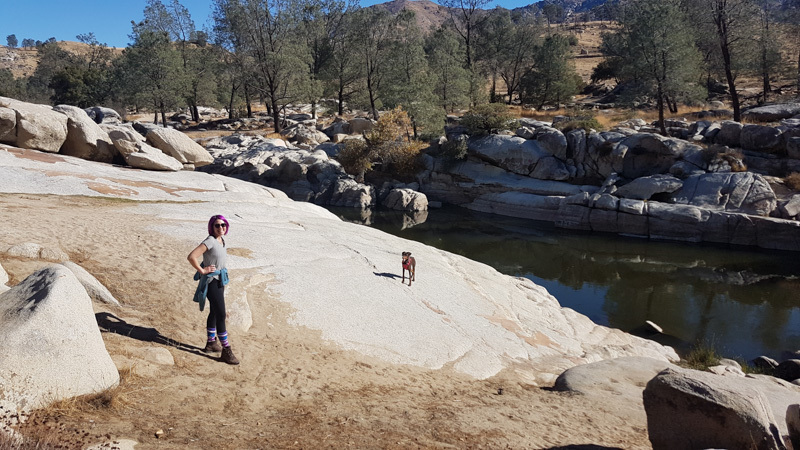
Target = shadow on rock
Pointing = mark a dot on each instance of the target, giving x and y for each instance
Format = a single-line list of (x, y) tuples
[(112, 324)]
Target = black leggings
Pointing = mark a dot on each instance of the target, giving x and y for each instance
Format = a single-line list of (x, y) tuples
[(216, 304)]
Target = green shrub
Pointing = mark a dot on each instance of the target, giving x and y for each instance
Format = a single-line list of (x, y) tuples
[(572, 39), (488, 118), (701, 357), (454, 149)]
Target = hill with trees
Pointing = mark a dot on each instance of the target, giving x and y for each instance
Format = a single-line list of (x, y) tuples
[(427, 58)]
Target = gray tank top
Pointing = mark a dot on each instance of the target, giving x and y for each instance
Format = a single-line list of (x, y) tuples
[(216, 254)]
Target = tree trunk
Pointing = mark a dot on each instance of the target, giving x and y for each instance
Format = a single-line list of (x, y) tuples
[(372, 102), (193, 111), (671, 104), (661, 111), (230, 102), (493, 93), (163, 116), (247, 102), (276, 114), (155, 119), (341, 100), (722, 34), (313, 109)]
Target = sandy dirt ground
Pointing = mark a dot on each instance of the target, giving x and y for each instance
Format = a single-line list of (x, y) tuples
[(292, 389)]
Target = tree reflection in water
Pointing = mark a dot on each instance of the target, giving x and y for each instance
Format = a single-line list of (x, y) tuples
[(743, 301)]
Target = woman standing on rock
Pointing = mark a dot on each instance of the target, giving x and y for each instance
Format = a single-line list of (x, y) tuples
[(213, 276)]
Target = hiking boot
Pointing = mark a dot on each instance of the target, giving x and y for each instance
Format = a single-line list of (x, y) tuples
[(213, 346), (227, 356)]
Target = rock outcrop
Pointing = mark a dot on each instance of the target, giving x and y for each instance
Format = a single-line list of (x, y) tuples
[(36, 127), (176, 144), (772, 113), (53, 348), (406, 200), (303, 174), (85, 138), (691, 409)]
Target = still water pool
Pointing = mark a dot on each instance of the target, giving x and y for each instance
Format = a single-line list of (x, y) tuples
[(745, 302)]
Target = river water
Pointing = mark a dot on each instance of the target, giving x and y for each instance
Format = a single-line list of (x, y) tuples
[(744, 302)]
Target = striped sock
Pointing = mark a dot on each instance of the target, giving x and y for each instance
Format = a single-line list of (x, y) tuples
[(223, 339), (212, 334)]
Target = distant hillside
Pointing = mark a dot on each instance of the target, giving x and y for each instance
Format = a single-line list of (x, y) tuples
[(570, 6), (429, 15), (22, 61)]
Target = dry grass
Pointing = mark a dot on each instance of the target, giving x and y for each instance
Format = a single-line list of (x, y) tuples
[(792, 181), (606, 118), (114, 399), (45, 428)]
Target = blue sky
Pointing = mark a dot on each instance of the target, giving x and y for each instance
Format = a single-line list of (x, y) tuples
[(109, 20)]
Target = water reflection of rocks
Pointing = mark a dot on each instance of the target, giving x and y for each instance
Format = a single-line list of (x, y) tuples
[(396, 219)]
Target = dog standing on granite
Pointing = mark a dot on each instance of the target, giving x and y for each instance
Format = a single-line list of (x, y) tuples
[(410, 264)]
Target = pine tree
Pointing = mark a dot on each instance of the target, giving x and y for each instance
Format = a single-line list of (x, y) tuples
[(656, 52), (552, 78), (450, 79)]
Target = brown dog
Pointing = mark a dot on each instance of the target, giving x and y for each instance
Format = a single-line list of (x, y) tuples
[(410, 264)]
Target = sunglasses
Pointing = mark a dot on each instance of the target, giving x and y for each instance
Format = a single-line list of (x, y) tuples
[(220, 225)]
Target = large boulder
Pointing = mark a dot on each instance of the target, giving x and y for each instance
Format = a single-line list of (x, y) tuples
[(689, 409), (550, 168), (94, 288), (645, 187), (38, 127), (596, 155), (100, 115), (339, 126), (125, 138), (179, 146), (406, 200), (53, 347), (615, 382), (151, 158), (760, 138), (8, 125), (360, 125), (305, 135), (772, 113), (729, 133), (792, 147), (791, 208), (349, 193), (553, 142), (744, 192), (512, 153), (85, 138), (649, 154)]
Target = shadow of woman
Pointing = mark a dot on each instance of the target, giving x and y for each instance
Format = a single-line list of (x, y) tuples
[(386, 275), (110, 323)]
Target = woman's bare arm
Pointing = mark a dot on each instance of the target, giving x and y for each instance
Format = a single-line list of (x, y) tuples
[(194, 260)]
